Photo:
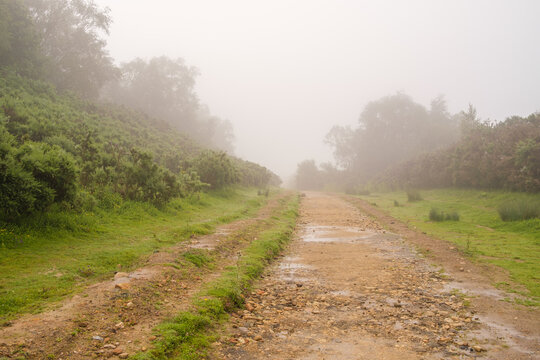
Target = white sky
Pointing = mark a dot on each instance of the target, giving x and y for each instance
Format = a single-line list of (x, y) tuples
[(284, 72)]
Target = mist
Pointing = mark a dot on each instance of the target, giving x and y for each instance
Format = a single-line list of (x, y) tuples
[(285, 72)]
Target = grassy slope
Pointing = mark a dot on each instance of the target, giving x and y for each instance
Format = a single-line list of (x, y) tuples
[(40, 264), (480, 233)]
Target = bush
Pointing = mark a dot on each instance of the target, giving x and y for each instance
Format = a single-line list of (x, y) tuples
[(216, 169), (396, 203), (436, 215), (33, 176), (413, 195), (523, 209)]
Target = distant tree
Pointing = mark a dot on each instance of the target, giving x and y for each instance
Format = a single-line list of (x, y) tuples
[(391, 130), (468, 120), (214, 132), (342, 139), (71, 38), (19, 41), (161, 87), (308, 176), (164, 88)]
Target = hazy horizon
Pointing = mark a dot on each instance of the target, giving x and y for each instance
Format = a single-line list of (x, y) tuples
[(285, 72)]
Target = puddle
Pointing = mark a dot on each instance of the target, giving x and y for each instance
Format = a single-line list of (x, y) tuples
[(294, 266), (292, 270), (504, 332), (335, 234), (472, 289)]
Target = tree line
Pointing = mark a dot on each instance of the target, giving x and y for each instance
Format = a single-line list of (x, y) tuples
[(399, 143)]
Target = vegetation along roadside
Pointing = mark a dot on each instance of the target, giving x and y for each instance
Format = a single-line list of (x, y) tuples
[(55, 254), (479, 231)]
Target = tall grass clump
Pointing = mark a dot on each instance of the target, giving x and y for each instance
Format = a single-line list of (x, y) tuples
[(413, 195), (437, 215), (522, 209)]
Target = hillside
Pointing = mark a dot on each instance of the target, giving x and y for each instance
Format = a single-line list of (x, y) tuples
[(57, 148)]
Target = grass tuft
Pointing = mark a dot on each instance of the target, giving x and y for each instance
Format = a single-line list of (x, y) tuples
[(437, 215), (519, 209), (198, 257), (413, 195)]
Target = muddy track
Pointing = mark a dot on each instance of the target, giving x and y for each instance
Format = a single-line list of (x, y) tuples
[(114, 319), (350, 289)]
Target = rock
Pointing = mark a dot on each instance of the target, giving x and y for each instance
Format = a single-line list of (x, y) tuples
[(478, 348), (123, 355), (129, 305), (119, 275), (258, 338), (118, 351), (109, 346), (123, 286), (98, 338), (119, 325)]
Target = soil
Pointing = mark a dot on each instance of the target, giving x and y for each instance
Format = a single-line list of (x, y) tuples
[(353, 286)]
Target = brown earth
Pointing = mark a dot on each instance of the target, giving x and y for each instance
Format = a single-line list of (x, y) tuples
[(350, 289), (114, 319)]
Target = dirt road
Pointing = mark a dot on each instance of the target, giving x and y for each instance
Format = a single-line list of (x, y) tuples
[(347, 289)]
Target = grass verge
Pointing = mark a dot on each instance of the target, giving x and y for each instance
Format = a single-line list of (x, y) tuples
[(54, 255), (189, 334), (480, 233)]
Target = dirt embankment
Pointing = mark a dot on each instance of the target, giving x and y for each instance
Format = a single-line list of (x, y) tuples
[(349, 289)]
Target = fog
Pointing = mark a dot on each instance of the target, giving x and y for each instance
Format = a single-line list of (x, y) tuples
[(285, 72)]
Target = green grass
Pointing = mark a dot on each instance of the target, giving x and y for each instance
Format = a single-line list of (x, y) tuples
[(480, 233), (55, 254), (198, 257), (188, 335)]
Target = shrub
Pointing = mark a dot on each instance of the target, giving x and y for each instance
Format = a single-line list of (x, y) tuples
[(413, 195), (216, 169), (396, 203), (523, 209), (437, 215)]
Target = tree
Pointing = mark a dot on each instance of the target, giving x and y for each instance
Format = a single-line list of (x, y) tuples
[(308, 176), (391, 130), (164, 88), (70, 33), (19, 42)]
